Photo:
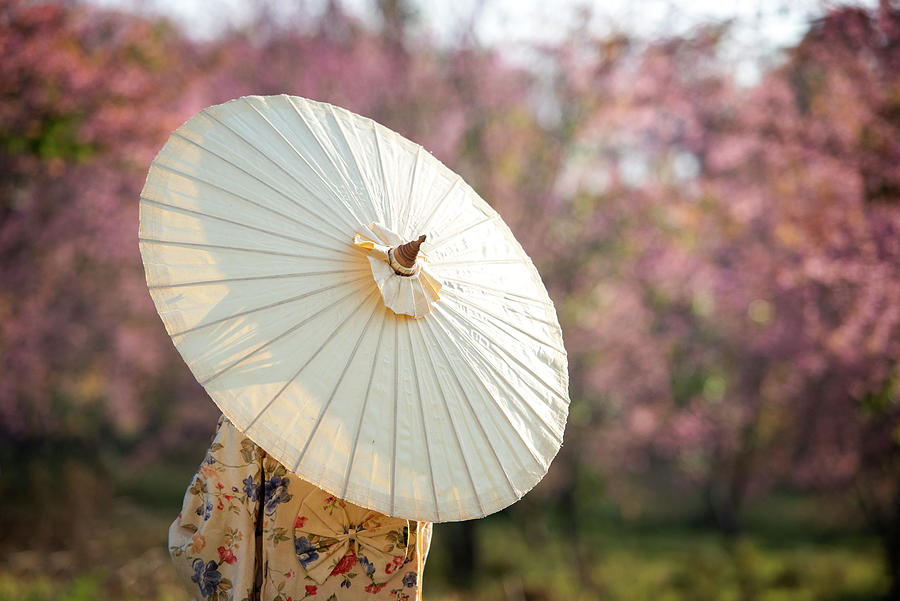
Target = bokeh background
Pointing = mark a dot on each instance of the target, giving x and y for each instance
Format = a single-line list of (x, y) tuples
[(713, 199)]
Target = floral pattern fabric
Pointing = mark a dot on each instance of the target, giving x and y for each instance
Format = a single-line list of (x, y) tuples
[(309, 544)]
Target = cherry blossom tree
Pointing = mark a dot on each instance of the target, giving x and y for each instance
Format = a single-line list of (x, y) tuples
[(730, 296), (724, 257)]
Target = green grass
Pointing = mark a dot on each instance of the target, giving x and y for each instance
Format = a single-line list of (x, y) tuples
[(673, 566), (796, 549), (680, 565)]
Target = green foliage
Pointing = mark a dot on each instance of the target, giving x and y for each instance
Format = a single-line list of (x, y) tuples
[(85, 587), (159, 486), (55, 138), (659, 559), (671, 564)]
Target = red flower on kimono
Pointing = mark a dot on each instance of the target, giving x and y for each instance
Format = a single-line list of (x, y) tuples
[(227, 555), (396, 563), (301, 520), (311, 589), (344, 565), (374, 588)]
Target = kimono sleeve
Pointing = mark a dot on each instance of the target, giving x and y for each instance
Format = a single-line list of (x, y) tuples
[(213, 540)]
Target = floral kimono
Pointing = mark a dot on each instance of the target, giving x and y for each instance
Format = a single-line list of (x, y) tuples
[(249, 529)]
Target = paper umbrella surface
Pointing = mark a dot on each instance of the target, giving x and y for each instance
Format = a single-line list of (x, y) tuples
[(433, 388)]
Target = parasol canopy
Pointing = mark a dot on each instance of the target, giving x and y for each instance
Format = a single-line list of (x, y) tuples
[(283, 245)]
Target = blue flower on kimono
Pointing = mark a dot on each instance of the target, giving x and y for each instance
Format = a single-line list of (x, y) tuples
[(208, 510), (206, 576), (409, 581), (251, 489), (367, 565), (276, 492), (306, 552)]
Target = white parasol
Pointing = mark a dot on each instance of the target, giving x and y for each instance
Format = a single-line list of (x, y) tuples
[(430, 386)]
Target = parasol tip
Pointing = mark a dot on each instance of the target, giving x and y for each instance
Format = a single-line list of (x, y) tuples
[(406, 254)]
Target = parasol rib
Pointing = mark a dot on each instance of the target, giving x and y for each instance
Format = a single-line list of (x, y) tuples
[(340, 378), (503, 294), (505, 352), (437, 263), (322, 178), (362, 412), (490, 365), (322, 145), (413, 182), (258, 205), (503, 320), (305, 363), (488, 395), (437, 205), (396, 425), (251, 278), (254, 176), (412, 361), (261, 251), (445, 239), (393, 224), (472, 411), (335, 192), (443, 397), (269, 306), (240, 224), (279, 337), (379, 215)]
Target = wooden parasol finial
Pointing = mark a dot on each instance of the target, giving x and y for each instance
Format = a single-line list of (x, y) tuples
[(406, 254)]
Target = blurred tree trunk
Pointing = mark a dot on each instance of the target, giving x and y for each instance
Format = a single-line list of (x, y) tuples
[(888, 528), (725, 498), (721, 511), (892, 548), (54, 492), (568, 464), (882, 511), (461, 541), (731, 473), (574, 523)]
